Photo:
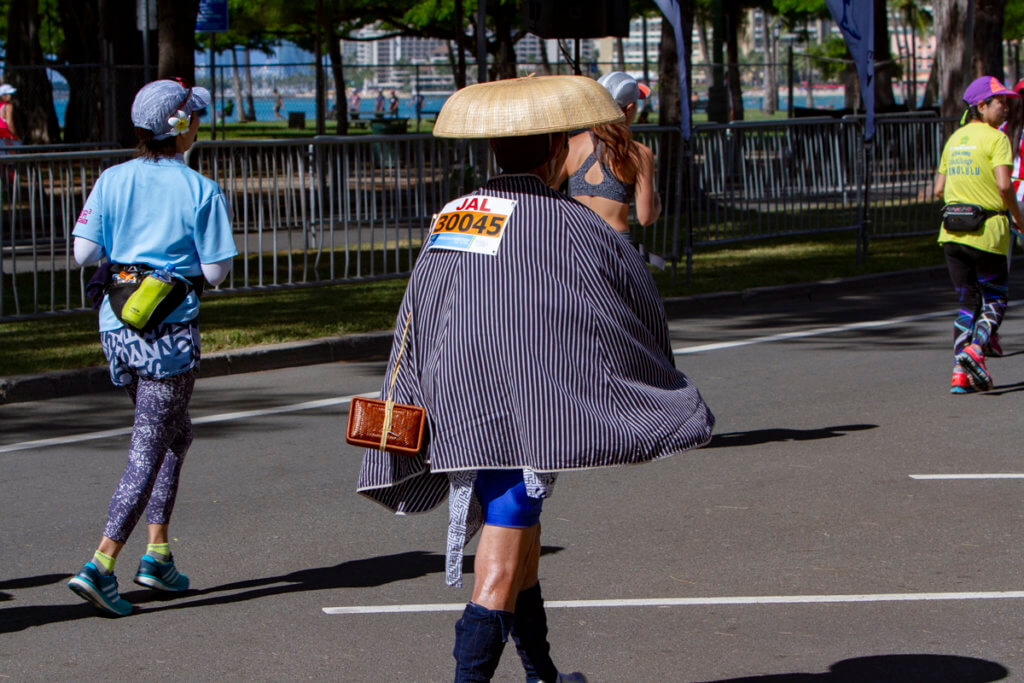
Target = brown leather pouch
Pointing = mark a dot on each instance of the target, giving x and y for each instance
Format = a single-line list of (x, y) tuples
[(366, 419), (385, 425)]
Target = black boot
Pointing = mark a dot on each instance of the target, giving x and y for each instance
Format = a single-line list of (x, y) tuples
[(480, 637), (530, 633)]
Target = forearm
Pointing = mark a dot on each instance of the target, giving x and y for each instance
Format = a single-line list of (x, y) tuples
[(1010, 202)]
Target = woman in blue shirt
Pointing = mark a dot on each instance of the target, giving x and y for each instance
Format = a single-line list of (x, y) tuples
[(141, 215)]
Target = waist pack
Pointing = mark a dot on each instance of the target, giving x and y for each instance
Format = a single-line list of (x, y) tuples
[(123, 280), (966, 217)]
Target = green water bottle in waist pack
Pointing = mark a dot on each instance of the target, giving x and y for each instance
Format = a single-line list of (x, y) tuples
[(153, 289)]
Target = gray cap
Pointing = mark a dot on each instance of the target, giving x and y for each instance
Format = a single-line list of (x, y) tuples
[(156, 106), (624, 88)]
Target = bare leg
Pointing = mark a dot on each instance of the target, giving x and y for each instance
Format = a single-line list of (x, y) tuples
[(505, 558)]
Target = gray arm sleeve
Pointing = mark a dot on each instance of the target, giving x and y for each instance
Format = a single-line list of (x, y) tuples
[(216, 272)]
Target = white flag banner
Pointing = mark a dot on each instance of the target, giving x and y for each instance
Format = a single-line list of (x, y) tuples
[(856, 20), (670, 8)]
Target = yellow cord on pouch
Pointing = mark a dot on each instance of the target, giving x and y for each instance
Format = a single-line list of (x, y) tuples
[(389, 404)]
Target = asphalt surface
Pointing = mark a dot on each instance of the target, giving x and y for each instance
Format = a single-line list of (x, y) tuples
[(797, 546)]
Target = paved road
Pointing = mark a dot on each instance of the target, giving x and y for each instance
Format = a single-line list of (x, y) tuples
[(798, 546)]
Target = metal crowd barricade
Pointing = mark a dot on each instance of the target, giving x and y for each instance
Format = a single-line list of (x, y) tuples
[(771, 179), (332, 209), (41, 196)]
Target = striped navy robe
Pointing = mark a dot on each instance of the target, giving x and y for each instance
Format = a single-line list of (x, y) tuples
[(551, 355)]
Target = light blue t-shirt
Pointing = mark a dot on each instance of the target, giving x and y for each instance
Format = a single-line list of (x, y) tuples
[(157, 212)]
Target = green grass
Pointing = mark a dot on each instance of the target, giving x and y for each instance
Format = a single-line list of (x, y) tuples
[(277, 130), (231, 321)]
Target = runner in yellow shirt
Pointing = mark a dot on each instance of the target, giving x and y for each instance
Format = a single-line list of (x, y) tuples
[(975, 170)]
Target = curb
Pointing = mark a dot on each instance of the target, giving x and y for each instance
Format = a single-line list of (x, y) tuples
[(367, 346), (375, 345)]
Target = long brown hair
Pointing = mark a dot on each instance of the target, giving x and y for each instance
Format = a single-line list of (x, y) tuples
[(1015, 125), (618, 152)]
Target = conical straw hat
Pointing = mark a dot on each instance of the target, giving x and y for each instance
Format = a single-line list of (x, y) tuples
[(526, 106)]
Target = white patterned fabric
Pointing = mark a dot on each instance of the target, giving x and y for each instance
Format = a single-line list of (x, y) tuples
[(169, 349)]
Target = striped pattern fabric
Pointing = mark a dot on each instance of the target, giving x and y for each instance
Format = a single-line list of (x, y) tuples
[(552, 355)]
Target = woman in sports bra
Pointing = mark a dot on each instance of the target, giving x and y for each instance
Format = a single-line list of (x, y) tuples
[(607, 169)]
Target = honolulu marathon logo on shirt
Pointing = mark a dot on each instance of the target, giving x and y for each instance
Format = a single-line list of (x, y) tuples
[(475, 224), (961, 160)]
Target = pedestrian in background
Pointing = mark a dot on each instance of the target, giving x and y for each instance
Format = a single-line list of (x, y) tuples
[(974, 175), (353, 104), (146, 214), (393, 104), (8, 131), (537, 346), (278, 105)]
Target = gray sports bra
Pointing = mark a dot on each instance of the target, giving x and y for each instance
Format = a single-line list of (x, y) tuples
[(610, 187)]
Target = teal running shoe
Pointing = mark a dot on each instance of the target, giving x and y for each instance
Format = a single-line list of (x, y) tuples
[(163, 576), (100, 590)]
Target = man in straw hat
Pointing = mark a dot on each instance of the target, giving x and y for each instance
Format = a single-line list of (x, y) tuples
[(538, 344)]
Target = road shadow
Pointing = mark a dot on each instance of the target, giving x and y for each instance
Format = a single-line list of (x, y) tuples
[(32, 581), (757, 437), (364, 573), (893, 669), (999, 390)]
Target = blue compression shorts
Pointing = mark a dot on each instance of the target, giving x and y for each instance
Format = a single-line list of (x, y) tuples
[(502, 495)]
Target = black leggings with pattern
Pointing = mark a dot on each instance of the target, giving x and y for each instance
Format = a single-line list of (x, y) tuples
[(160, 439), (980, 279)]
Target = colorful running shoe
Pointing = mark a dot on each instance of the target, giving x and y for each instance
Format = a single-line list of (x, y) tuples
[(961, 384), (993, 347), (973, 362), (100, 590), (163, 576)]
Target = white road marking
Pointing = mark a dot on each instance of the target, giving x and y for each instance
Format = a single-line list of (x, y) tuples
[(341, 400), (221, 417), (994, 475), (815, 332), (818, 331), (697, 602)]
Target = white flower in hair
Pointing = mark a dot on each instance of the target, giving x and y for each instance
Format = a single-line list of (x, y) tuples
[(179, 122)]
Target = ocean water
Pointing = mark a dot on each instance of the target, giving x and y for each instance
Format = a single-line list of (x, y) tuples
[(432, 104)]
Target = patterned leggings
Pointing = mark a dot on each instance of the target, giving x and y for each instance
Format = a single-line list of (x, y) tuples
[(980, 279), (160, 439)]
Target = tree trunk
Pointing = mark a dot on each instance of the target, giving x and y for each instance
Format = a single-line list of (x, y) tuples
[(545, 63), (771, 74), (176, 24), (35, 119), (732, 30), (338, 75), (236, 83), (83, 118), (931, 88), (885, 100), (504, 49), (460, 38), (669, 112), (620, 48), (988, 44), (950, 18), (251, 106), (705, 53), (125, 41)]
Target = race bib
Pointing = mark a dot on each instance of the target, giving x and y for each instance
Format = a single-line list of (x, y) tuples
[(475, 224)]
